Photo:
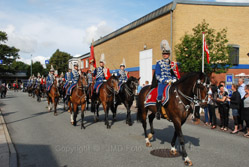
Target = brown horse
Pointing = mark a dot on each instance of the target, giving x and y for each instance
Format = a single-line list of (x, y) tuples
[(53, 97), (191, 87), (106, 96), (78, 97)]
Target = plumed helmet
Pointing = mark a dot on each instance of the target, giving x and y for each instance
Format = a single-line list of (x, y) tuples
[(62, 74), (56, 72), (38, 75), (165, 47), (102, 58), (52, 68), (123, 63)]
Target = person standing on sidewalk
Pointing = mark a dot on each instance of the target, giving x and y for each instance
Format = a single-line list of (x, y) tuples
[(212, 96), (223, 108), (241, 90), (234, 105), (245, 109)]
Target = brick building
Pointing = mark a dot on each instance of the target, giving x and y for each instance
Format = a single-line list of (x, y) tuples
[(139, 41)]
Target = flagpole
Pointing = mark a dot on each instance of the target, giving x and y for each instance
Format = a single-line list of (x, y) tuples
[(203, 52)]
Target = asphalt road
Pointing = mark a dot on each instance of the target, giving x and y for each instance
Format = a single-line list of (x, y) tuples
[(42, 139)]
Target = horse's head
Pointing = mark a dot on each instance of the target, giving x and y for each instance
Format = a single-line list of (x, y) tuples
[(113, 83), (132, 82), (200, 89), (83, 80)]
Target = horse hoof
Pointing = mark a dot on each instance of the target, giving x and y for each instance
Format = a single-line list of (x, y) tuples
[(148, 144), (197, 122), (72, 123), (150, 136), (83, 127), (173, 152), (55, 114), (188, 163)]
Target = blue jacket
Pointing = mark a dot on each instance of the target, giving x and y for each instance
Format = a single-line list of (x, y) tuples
[(50, 79), (99, 73), (123, 75), (162, 71), (75, 76), (68, 76)]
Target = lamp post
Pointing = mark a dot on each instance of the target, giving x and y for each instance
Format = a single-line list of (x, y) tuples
[(31, 66)]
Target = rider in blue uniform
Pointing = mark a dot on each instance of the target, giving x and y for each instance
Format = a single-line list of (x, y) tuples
[(163, 74), (50, 79), (122, 73), (68, 78), (75, 77), (99, 73), (89, 77)]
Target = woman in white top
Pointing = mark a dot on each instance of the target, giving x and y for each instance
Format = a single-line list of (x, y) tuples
[(245, 109)]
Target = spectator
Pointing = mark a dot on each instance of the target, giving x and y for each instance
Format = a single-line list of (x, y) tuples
[(241, 90), (146, 83), (245, 109), (136, 95), (212, 96), (223, 108), (224, 84), (234, 105)]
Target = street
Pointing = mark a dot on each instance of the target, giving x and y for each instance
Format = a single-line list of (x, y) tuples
[(42, 139)]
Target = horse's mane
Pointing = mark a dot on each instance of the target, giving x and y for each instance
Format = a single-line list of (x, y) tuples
[(184, 77)]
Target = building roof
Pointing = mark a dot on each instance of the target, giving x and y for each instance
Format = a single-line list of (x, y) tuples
[(160, 12)]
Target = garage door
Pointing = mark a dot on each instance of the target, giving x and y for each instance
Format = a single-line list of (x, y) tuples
[(145, 64)]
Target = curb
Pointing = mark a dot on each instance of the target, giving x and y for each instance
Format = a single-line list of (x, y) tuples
[(12, 150)]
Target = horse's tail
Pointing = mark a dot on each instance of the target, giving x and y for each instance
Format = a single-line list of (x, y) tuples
[(140, 102)]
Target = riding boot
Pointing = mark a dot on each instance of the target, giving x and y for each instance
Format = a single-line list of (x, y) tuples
[(159, 108)]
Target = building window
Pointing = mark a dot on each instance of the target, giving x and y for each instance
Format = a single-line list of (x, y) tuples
[(82, 64), (234, 54), (87, 63)]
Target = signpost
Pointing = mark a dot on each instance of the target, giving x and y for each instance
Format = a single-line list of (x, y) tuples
[(1, 61), (46, 61), (229, 82)]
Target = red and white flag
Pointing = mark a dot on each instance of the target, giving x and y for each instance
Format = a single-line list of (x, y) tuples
[(206, 50), (92, 58)]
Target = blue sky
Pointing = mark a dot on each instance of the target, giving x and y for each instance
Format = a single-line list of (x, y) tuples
[(39, 27)]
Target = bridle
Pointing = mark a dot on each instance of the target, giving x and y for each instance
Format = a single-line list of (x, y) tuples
[(81, 87), (130, 91), (196, 90)]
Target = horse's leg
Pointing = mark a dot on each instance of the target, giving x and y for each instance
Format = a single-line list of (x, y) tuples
[(180, 136), (128, 116), (56, 100), (83, 106), (75, 108), (144, 123), (106, 109), (96, 110), (151, 118), (114, 111), (173, 150)]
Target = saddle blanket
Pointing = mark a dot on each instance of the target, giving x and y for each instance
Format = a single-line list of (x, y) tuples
[(98, 87), (151, 97)]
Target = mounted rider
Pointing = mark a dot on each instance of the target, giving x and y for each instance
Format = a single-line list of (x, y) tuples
[(75, 78), (163, 73), (123, 75), (38, 80), (50, 79), (101, 73), (89, 77), (68, 78)]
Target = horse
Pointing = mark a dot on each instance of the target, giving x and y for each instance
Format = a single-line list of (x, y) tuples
[(53, 97), (78, 97), (191, 87), (106, 96), (3, 91), (126, 96), (38, 92)]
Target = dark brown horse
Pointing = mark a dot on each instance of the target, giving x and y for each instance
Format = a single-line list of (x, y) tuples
[(38, 92), (89, 94), (78, 97), (106, 96), (191, 87), (53, 97), (126, 96)]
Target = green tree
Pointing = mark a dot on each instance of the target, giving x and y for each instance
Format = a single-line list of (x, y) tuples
[(59, 60), (19, 66), (189, 50), (36, 67), (7, 54)]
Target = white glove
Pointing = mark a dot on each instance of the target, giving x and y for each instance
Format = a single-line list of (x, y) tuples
[(174, 80), (70, 81)]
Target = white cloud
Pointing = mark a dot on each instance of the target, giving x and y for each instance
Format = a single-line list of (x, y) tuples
[(237, 1), (97, 31), (40, 59)]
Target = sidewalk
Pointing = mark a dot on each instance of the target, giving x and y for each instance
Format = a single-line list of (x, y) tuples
[(8, 156)]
